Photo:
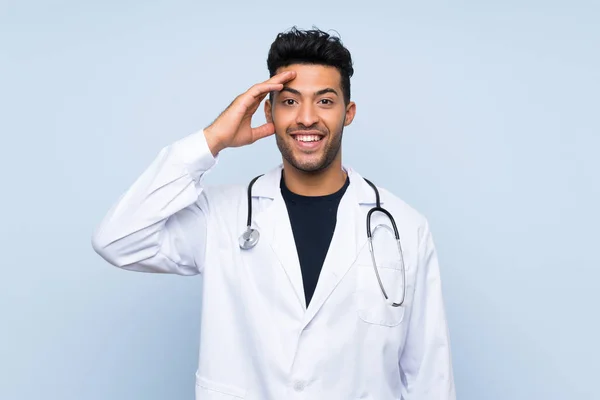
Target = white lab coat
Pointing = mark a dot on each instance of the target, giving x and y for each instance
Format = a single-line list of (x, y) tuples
[(258, 339)]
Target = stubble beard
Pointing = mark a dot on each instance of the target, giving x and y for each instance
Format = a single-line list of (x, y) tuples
[(329, 154)]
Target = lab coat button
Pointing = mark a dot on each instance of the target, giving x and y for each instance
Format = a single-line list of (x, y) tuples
[(299, 386)]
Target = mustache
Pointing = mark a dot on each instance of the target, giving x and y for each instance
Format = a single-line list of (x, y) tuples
[(303, 128)]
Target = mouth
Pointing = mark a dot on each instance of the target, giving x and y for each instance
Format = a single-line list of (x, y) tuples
[(308, 140)]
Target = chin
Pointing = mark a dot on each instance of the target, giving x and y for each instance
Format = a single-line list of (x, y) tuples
[(306, 162), (309, 166)]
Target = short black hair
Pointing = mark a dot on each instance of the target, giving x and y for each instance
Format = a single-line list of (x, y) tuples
[(311, 47)]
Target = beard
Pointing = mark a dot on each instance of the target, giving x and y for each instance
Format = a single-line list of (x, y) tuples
[(316, 164)]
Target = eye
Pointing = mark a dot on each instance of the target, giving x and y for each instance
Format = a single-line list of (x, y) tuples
[(326, 102), (289, 102)]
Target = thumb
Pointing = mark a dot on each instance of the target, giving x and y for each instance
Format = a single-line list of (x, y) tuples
[(263, 131)]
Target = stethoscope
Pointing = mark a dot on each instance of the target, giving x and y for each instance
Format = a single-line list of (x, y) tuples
[(251, 236)]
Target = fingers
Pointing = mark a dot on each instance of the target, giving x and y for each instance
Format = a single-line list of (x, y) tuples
[(254, 105), (263, 131), (252, 98), (262, 89), (274, 83), (282, 77), (239, 114)]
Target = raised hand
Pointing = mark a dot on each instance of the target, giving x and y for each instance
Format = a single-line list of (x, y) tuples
[(232, 128)]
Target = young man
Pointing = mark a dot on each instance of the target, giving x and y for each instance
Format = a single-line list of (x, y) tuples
[(295, 304)]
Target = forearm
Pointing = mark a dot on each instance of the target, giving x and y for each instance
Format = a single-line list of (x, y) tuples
[(139, 232)]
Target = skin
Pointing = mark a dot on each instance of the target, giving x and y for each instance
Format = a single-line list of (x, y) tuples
[(312, 102), (305, 97)]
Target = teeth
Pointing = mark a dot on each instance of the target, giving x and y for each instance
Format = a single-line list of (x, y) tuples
[(307, 138)]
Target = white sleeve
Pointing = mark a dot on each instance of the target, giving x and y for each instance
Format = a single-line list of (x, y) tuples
[(159, 224), (426, 362)]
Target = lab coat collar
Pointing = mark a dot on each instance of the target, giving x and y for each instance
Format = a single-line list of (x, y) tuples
[(348, 238), (268, 186)]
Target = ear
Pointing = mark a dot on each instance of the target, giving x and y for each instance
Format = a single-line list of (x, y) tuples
[(350, 113), (268, 112)]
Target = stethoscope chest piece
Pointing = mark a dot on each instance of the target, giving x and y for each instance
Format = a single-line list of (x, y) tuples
[(249, 239)]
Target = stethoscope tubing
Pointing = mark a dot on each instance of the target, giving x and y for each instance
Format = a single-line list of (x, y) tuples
[(251, 236)]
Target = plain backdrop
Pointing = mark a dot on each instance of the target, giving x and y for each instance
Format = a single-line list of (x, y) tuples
[(483, 115)]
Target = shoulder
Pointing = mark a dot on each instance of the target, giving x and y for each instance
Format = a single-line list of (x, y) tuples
[(412, 225), (410, 221), (399, 206), (221, 196), (396, 205), (225, 196), (405, 212)]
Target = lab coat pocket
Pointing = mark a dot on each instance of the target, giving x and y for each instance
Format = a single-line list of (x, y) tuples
[(211, 390), (371, 304)]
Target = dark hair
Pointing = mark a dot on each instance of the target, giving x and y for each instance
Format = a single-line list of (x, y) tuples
[(311, 47)]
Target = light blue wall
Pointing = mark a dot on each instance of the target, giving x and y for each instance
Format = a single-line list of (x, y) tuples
[(482, 115)]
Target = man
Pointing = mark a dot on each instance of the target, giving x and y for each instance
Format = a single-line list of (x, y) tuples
[(294, 309)]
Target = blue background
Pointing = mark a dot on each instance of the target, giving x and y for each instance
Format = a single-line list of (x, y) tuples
[(483, 115)]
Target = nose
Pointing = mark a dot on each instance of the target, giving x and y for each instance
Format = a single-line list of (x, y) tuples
[(307, 115)]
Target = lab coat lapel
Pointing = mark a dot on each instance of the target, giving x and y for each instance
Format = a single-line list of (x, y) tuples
[(348, 239), (349, 236), (274, 224)]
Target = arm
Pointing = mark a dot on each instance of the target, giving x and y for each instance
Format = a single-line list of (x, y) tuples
[(426, 361), (159, 223)]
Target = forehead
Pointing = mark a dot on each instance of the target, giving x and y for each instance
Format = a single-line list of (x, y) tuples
[(309, 76)]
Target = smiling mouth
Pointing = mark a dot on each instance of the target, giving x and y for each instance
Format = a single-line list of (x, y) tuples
[(308, 137)]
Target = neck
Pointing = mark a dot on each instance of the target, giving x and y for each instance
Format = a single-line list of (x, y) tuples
[(321, 183)]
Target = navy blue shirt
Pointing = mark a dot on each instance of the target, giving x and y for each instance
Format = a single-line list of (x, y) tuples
[(313, 220)]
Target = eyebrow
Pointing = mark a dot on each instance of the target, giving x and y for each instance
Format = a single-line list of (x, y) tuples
[(317, 93)]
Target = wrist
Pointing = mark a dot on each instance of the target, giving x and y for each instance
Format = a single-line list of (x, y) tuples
[(214, 144)]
